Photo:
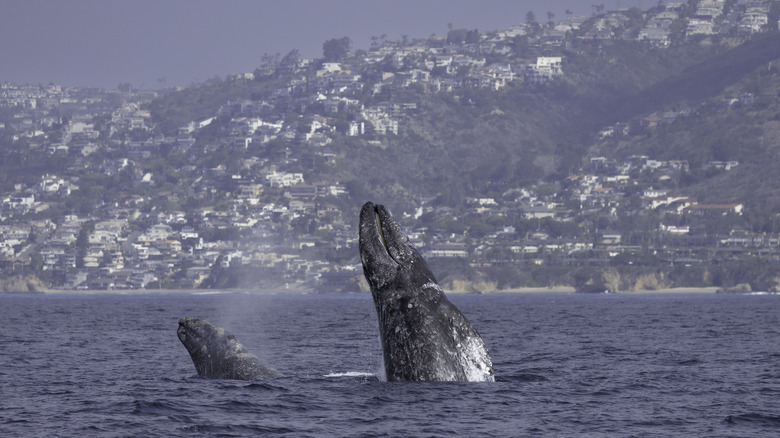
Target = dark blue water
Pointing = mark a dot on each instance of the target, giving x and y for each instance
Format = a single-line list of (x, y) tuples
[(566, 365)]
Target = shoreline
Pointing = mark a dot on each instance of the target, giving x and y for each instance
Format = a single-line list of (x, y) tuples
[(571, 290), (172, 291), (295, 290)]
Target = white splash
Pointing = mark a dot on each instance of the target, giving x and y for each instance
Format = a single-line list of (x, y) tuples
[(350, 374), (432, 285), (475, 360)]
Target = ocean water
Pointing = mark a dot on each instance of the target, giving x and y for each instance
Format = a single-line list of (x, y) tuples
[(566, 365)]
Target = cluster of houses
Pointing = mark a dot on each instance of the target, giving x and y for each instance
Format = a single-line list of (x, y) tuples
[(711, 17), (70, 111), (436, 64), (603, 186), (127, 248), (606, 187)]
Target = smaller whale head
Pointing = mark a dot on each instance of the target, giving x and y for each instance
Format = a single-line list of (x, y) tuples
[(202, 338), (390, 261), (217, 354)]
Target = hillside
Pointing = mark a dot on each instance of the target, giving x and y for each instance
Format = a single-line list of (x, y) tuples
[(719, 127), (705, 79), (623, 151), (482, 143), (479, 141)]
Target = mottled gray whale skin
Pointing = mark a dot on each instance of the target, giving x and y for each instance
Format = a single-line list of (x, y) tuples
[(217, 355), (424, 336)]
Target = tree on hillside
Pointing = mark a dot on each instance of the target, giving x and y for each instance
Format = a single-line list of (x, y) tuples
[(773, 16), (291, 59), (82, 243), (460, 36), (268, 64), (336, 49), (456, 36), (530, 19), (472, 37)]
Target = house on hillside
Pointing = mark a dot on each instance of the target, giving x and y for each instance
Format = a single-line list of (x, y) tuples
[(657, 37), (699, 26), (450, 250), (753, 20), (714, 209), (546, 68)]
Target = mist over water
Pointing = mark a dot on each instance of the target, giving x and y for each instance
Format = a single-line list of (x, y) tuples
[(566, 365)]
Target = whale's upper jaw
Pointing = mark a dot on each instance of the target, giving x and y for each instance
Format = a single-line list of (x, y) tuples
[(385, 252), (378, 264), (194, 333), (189, 333), (181, 332)]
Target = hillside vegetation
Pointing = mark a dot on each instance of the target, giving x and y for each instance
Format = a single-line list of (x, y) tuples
[(482, 141)]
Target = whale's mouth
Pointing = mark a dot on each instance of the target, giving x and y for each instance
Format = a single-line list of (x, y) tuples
[(381, 243), (383, 236), (182, 334), (381, 231)]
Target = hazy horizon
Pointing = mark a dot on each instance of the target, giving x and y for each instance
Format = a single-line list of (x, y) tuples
[(99, 43)]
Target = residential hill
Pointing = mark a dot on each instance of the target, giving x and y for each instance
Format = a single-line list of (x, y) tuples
[(627, 150), (480, 141), (724, 108)]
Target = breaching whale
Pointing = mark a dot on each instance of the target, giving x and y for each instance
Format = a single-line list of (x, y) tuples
[(216, 353), (424, 336)]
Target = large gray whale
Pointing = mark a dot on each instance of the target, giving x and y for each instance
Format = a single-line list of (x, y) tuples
[(216, 353), (424, 336)]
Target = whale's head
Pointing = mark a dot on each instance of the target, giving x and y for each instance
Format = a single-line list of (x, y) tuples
[(424, 336), (217, 354), (203, 339), (391, 264)]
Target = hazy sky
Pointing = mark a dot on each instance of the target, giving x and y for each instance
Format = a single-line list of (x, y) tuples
[(105, 42)]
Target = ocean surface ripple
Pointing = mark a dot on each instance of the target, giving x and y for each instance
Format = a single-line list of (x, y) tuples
[(566, 365)]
